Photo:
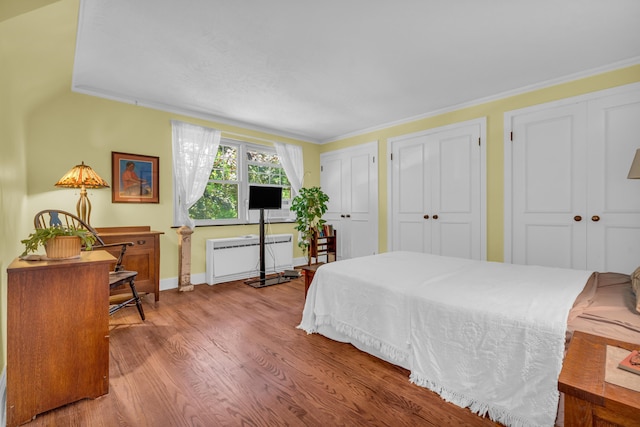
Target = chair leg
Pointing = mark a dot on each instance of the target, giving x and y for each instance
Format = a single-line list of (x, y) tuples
[(136, 298)]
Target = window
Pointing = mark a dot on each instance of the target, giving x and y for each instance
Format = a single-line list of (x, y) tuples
[(237, 165), (264, 168), (221, 195)]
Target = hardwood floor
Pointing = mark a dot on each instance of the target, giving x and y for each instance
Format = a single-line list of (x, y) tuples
[(231, 355)]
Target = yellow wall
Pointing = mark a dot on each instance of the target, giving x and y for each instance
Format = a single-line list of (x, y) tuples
[(494, 112), (23, 83)]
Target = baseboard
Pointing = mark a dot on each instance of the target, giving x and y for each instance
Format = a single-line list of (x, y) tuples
[(198, 278), (3, 397), (172, 282), (299, 262)]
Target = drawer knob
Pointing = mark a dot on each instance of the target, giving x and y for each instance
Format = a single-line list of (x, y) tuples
[(141, 242)]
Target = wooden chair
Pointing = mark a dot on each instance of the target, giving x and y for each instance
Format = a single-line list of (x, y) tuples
[(119, 276)]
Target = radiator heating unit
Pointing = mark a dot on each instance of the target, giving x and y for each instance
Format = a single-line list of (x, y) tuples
[(238, 258)]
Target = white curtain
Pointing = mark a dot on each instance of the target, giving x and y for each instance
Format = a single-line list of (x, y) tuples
[(194, 150), (291, 159)]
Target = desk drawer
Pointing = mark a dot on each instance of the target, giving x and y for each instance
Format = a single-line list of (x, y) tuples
[(140, 242), (143, 243)]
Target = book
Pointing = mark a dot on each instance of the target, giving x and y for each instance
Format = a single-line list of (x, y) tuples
[(631, 363), (291, 273), (328, 230)]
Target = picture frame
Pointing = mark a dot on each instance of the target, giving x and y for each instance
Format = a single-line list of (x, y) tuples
[(134, 178)]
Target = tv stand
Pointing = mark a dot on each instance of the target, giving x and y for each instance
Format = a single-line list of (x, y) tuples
[(263, 281)]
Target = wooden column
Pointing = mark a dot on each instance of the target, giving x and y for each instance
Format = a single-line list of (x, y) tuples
[(184, 259)]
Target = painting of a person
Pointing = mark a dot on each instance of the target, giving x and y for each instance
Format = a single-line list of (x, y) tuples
[(132, 185)]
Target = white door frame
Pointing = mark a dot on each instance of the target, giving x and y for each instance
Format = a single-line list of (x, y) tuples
[(482, 122)]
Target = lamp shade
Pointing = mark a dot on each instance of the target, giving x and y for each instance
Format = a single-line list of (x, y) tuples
[(634, 172), (81, 175)]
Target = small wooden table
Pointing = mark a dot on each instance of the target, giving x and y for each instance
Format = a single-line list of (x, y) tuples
[(589, 400), (309, 272)]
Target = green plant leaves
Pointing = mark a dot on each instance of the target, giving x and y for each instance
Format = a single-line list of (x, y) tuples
[(309, 206), (42, 235)]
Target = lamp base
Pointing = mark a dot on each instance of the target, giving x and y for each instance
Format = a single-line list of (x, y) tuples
[(83, 207)]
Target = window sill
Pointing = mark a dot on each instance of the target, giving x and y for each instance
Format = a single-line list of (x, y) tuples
[(271, 221)]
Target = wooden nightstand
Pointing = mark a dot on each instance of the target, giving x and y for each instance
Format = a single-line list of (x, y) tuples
[(309, 272), (589, 400)]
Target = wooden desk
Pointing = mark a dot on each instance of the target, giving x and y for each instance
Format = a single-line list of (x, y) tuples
[(57, 333), (309, 272), (589, 400), (143, 256)]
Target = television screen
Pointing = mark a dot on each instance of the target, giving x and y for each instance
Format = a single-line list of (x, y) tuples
[(265, 197)]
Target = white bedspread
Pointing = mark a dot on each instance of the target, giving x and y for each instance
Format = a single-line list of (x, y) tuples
[(484, 335)]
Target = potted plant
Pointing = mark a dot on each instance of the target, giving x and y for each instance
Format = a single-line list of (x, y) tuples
[(309, 206), (59, 242)]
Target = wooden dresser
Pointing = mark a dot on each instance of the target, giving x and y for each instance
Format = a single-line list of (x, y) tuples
[(589, 400), (57, 333), (143, 256)]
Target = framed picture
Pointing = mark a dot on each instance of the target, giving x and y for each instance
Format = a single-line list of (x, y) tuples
[(134, 178)]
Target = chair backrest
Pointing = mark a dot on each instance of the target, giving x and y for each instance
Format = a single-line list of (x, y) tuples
[(53, 217)]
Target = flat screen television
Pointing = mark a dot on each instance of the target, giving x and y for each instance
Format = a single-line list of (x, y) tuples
[(261, 197)]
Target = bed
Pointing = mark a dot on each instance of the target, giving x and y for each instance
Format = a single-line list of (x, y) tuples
[(484, 335)]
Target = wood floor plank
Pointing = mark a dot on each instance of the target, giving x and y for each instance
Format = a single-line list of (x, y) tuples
[(231, 355)]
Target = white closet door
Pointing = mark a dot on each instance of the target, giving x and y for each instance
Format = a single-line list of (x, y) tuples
[(363, 198), (411, 198), (614, 200), (350, 178), (456, 192), (334, 172), (437, 192), (549, 198), (571, 204)]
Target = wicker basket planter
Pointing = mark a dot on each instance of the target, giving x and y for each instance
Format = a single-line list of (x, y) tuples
[(62, 247), (59, 242)]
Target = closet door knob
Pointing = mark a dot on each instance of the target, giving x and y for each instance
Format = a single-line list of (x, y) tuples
[(426, 217), (577, 218), (348, 216), (435, 217), (595, 218), (342, 216)]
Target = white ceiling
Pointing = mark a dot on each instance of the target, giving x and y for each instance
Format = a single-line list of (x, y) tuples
[(320, 70)]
